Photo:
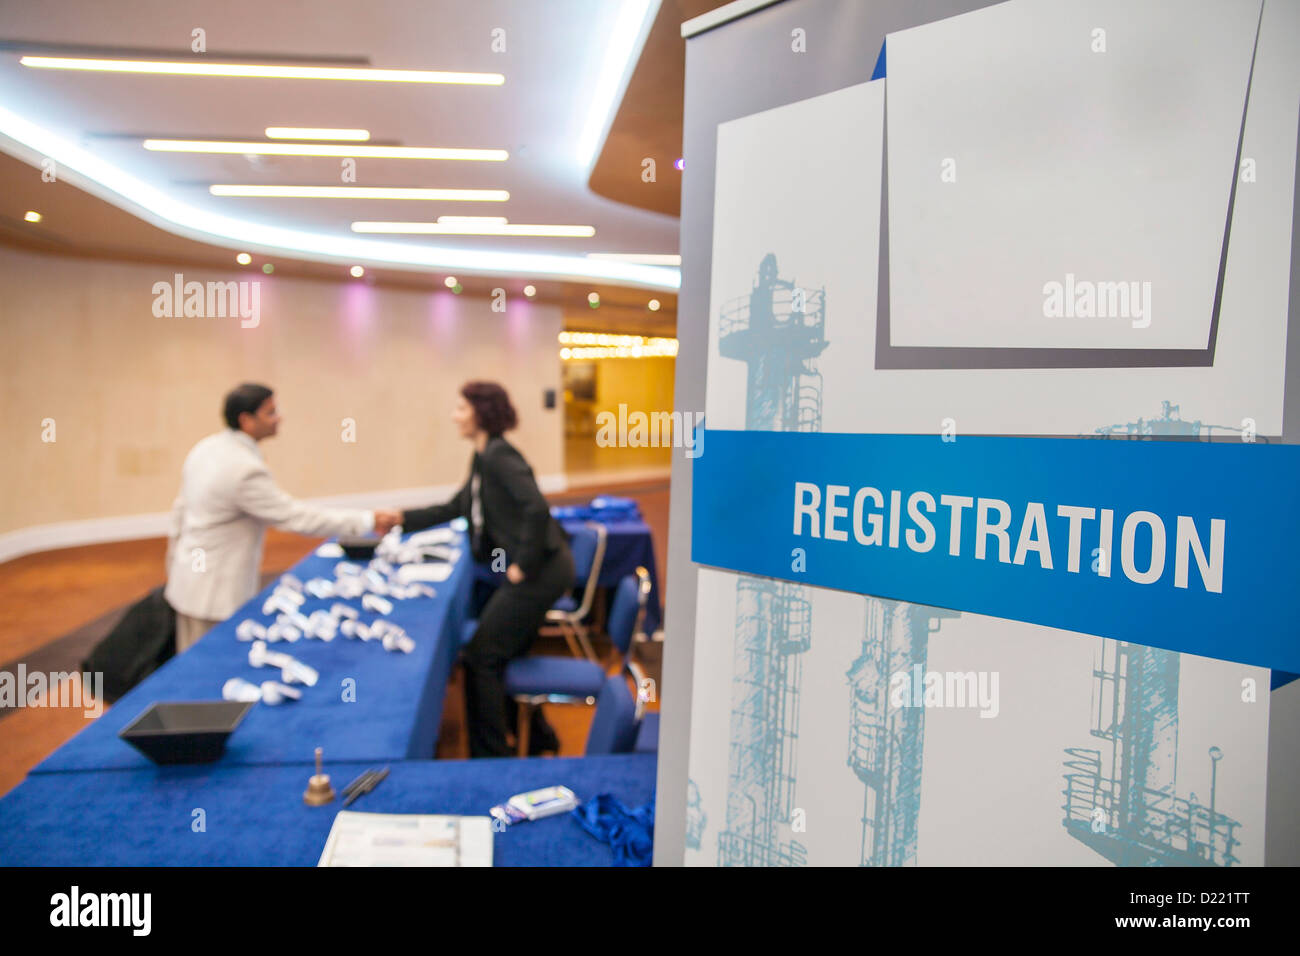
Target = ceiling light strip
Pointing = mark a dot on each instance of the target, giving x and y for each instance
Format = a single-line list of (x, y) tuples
[(258, 71), (323, 149), (33, 143), (474, 229), (358, 192), (622, 49), (300, 132)]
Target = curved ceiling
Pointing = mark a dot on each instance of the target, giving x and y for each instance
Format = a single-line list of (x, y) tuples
[(563, 63)]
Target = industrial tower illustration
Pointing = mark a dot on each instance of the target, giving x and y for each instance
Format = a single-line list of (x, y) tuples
[(778, 330), (1170, 423), (1125, 804), (886, 742)]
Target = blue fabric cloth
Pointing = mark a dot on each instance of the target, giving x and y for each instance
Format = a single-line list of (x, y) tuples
[(629, 832), (605, 507), (398, 697), (254, 816)]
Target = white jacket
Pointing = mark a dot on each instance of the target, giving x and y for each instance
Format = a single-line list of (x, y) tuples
[(227, 498)]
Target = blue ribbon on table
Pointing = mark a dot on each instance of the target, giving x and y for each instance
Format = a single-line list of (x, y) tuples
[(629, 832)]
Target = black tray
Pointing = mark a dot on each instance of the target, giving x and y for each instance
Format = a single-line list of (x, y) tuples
[(358, 548), (185, 731)]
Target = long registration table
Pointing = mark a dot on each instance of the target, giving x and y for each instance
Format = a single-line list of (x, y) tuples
[(96, 801), (369, 704), (255, 816)]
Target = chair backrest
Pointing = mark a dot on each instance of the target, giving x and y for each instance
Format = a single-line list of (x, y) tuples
[(587, 544), (627, 610), (614, 725)]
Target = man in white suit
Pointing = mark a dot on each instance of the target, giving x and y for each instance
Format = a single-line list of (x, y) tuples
[(227, 498)]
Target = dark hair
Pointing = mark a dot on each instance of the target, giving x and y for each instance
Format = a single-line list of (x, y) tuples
[(246, 398), (491, 405)]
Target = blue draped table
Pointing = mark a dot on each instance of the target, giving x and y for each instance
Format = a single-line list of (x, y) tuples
[(254, 816), (397, 698)]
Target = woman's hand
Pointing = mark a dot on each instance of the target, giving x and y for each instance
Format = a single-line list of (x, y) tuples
[(515, 574)]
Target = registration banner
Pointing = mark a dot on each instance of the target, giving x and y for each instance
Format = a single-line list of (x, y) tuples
[(1188, 546)]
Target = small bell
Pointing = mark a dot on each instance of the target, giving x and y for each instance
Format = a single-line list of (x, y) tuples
[(319, 792)]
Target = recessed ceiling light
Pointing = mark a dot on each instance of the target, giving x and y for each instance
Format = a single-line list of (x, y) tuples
[(530, 291), (32, 216), (679, 164), (654, 305), (593, 299), (449, 282), (357, 272), (268, 268), (360, 192), (323, 149), (259, 70), (243, 258), (474, 229), (301, 132), (642, 258)]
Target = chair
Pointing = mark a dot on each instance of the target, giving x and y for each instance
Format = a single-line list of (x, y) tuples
[(647, 734), (614, 725), (546, 679), (566, 617)]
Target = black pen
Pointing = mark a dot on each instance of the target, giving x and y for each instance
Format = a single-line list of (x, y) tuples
[(366, 787), (365, 776)]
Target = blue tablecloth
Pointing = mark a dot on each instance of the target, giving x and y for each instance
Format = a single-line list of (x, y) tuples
[(398, 697), (254, 816)]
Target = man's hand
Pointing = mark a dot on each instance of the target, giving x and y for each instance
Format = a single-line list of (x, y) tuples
[(385, 520), (515, 574)]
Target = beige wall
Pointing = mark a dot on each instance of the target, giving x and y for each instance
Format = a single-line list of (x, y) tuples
[(131, 393)]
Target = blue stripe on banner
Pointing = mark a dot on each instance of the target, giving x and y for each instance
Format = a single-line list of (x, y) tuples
[(1224, 515)]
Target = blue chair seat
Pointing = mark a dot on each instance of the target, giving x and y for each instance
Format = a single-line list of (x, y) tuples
[(568, 604), (566, 676), (647, 738)]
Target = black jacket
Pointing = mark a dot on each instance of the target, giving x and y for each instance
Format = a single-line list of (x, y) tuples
[(516, 517)]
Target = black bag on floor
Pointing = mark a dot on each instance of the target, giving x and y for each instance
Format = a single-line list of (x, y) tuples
[(141, 642)]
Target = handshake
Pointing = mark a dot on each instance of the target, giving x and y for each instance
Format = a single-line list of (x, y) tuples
[(385, 520)]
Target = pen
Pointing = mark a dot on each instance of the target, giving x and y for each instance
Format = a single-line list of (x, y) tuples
[(364, 788), (365, 776)]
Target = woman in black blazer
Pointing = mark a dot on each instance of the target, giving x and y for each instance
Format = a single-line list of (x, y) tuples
[(508, 518)]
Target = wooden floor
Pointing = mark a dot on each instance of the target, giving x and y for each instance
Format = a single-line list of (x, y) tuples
[(57, 595)]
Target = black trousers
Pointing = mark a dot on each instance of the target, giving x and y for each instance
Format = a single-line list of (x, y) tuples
[(507, 628)]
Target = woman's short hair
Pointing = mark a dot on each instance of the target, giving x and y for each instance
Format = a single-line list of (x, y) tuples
[(491, 406)]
